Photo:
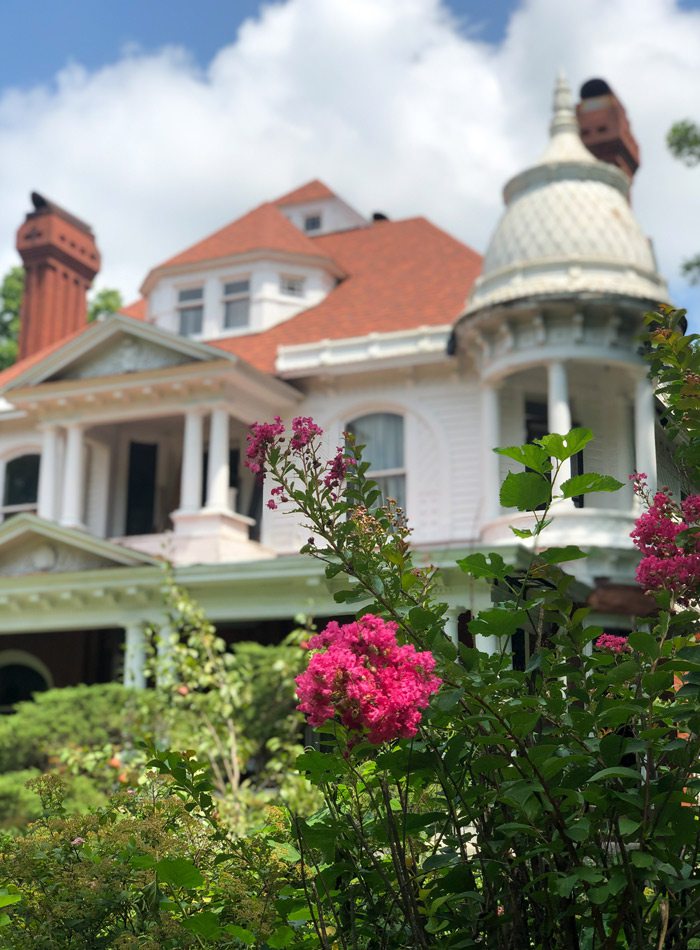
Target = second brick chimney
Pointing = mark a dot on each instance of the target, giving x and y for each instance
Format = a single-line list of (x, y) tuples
[(60, 260), (605, 128)]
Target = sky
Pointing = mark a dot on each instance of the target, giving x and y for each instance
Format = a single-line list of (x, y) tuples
[(159, 122)]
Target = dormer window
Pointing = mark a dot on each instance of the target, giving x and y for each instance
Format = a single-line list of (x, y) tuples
[(236, 304), (190, 305), (312, 222), (291, 286)]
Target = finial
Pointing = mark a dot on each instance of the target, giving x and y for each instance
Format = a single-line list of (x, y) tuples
[(563, 115)]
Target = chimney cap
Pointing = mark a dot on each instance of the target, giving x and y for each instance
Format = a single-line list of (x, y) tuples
[(43, 205), (593, 88)]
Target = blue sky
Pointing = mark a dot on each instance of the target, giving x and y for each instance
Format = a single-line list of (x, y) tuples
[(161, 120), (46, 34)]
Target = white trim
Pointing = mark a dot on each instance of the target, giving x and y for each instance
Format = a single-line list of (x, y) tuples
[(22, 658), (400, 347)]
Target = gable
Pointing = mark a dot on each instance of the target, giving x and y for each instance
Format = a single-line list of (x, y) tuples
[(33, 545), (34, 554), (124, 353)]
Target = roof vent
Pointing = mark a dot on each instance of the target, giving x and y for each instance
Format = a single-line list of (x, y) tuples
[(379, 216)]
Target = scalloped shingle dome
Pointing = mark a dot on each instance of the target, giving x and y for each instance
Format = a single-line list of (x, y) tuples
[(568, 228)]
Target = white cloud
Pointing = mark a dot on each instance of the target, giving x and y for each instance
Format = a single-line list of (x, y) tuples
[(392, 102)]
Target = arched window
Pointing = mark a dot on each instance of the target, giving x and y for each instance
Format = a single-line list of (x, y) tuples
[(21, 675), (21, 484), (382, 435)]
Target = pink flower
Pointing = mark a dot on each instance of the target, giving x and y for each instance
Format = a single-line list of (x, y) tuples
[(338, 468), (304, 429), (691, 508), (261, 436), (667, 562), (365, 678), (76, 842), (272, 504), (608, 641)]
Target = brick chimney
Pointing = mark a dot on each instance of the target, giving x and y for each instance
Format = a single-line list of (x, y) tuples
[(604, 126), (60, 260)]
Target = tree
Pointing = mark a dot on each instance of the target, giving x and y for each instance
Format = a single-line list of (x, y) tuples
[(11, 291), (683, 140), (105, 301)]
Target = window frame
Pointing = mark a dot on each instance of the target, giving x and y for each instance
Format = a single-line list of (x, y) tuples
[(189, 306), (379, 475), (292, 280), (235, 296), (7, 510), (313, 216)]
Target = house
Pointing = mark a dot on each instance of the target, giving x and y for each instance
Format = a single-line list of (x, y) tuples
[(121, 441)]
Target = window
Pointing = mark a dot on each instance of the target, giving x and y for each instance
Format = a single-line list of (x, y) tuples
[(21, 485), (292, 286), (312, 222), (191, 309), (536, 426), (382, 435), (236, 304)]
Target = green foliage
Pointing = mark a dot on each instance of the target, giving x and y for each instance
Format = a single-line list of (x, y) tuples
[(11, 291), (103, 302), (144, 871), (683, 141)]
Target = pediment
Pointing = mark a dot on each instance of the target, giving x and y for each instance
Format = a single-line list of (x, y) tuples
[(124, 353), (117, 346), (31, 545)]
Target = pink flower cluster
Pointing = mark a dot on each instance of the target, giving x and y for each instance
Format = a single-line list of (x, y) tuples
[(338, 468), (667, 563), (304, 430), (261, 436), (364, 677), (608, 641)]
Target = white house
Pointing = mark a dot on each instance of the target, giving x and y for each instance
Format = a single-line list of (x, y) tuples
[(121, 441)]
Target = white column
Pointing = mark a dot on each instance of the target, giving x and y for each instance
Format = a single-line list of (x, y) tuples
[(559, 413), (452, 624), (134, 656), (48, 473), (645, 431), (490, 462), (191, 479), (218, 474), (73, 479)]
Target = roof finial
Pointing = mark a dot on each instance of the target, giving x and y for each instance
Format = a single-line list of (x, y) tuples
[(563, 115)]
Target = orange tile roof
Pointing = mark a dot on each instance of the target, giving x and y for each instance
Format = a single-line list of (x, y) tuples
[(263, 228), (138, 309), (12, 372), (314, 190), (402, 275)]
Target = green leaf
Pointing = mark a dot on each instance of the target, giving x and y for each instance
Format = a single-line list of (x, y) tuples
[(205, 924), (525, 491), (628, 826), (562, 447), (285, 851), (240, 933), (617, 771), (489, 566), (589, 482), (7, 899), (282, 937), (179, 872), (560, 555), (530, 455), (498, 622), (421, 619), (644, 643)]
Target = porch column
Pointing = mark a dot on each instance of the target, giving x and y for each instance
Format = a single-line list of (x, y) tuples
[(73, 479), (48, 473), (645, 431), (490, 462), (218, 474), (191, 479), (134, 656), (559, 414), (452, 624)]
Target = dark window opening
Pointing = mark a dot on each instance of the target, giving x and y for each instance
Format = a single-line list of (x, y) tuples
[(18, 683), (21, 484), (141, 488)]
